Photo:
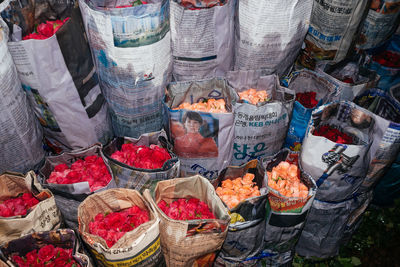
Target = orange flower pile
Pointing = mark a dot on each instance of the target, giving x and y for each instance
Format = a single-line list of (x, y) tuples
[(209, 105), (253, 96), (234, 191), (285, 179)]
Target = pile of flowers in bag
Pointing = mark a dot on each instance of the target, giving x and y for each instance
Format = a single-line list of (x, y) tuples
[(46, 29), (186, 209), (134, 3), (253, 96), (388, 59), (207, 105), (285, 178), (112, 226), (143, 157), (91, 170), (47, 256), (232, 192), (333, 134), (17, 205), (307, 99)]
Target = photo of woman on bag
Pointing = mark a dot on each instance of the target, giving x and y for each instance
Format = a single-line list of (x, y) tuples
[(189, 138)]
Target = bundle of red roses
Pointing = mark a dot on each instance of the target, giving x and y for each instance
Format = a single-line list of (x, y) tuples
[(112, 226), (134, 3), (186, 209), (143, 157), (46, 29), (92, 170), (47, 256), (307, 99), (17, 205), (334, 135), (388, 59)]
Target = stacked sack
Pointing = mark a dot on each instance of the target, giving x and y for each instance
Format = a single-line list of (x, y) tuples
[(25, 207), (262, 110), (55, 66), (336, 151), (200, 123), (141, 163)]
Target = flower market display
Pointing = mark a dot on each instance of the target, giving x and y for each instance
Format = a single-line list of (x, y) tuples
[(112, 226), (46, 29), (206, 105), (232, 192), (47, 256), (285, 178), (152, 157), (181, 133), (92, 170), (186, 209), (17, 205), (253, 96)]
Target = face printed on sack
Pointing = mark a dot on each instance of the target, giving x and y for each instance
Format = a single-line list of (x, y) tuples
[(192, 126)]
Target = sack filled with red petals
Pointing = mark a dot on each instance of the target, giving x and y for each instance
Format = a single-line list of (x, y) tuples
[(25, 206), (140, 163), (120, 227), (72, 176), (193, 220)]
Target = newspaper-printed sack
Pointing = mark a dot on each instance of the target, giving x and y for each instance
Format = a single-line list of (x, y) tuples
[(132, 51), (192, 242), (386, 63), (126, 176), (386, 141), (269, 34), (350, 76), (58, 74), (19, 129), (332, 31), (285, 216), (260, 129), (246, 229), (44, 216), (202, 40), (206, 148), (339, 169), (301, 82), (326, 225), (69, 196), (381, 22), (139, 247), (63, 238)]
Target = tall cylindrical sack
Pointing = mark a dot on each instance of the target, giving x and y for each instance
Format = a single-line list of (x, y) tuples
[(207, 148), (69, 196), (286, 216), (20, 130), (202, 38), (260, 129), (381, 22), (244, 241), (139, 247), (58, 74), (301, 82), (326, 225), (126, 176), (132, 52), (187, 243), (61, 238), (350, 76), (386, 63), (339, 168), (386, 141), (269, 35), (333, 30), (44, 216)]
